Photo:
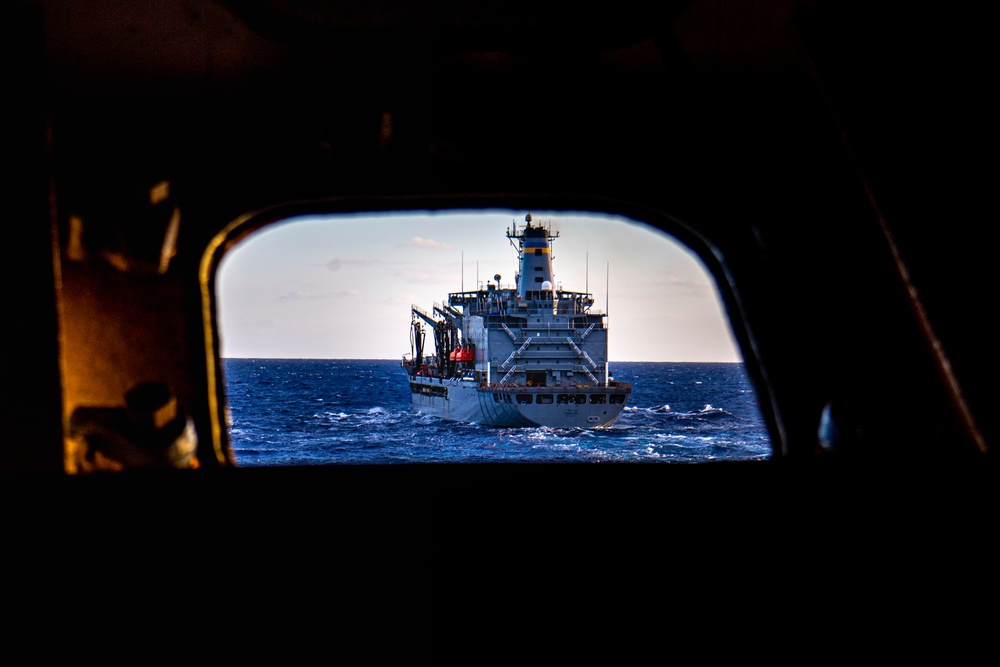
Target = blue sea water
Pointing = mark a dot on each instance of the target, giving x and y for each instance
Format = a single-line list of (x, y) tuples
[(293, 412)]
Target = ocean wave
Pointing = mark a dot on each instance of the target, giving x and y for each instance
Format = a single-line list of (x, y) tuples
[(286, 424), (636, 408), (336, 416)]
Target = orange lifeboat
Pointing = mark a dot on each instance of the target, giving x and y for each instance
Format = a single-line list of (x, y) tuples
[(461, 354)]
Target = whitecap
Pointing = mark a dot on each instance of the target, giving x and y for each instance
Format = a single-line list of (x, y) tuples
[(339, 416)]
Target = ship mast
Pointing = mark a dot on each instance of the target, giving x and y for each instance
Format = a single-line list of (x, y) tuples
[(535, 256)]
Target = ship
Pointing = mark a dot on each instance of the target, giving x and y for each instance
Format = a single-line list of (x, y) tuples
[(523, 355)]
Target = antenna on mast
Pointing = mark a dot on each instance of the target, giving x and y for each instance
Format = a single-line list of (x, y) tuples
[(607, 289), (607, 306)]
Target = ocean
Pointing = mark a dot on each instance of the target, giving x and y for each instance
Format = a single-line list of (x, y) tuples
[(313, 412)]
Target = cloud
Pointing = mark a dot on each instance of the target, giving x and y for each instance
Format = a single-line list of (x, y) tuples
[(300, 295), (420, 277), (427, 243), (339, 263), (690, 284), (296, 296)]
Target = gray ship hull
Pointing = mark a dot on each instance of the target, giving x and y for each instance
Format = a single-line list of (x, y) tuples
[(506, 406)]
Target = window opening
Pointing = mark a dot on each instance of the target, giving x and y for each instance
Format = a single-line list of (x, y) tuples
[(314, 317)]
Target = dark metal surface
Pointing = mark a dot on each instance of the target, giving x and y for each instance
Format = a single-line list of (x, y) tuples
[(827, 160)]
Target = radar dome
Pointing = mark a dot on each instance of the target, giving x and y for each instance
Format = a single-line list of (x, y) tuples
[(547, 284)]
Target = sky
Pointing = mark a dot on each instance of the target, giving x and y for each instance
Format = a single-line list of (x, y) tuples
[(341, 287)]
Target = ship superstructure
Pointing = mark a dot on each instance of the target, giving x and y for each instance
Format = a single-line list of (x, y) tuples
[(530, 354)]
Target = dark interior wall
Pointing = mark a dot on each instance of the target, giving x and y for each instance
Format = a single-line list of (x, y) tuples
[(31, 395), (817, 166), (801, 148)]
